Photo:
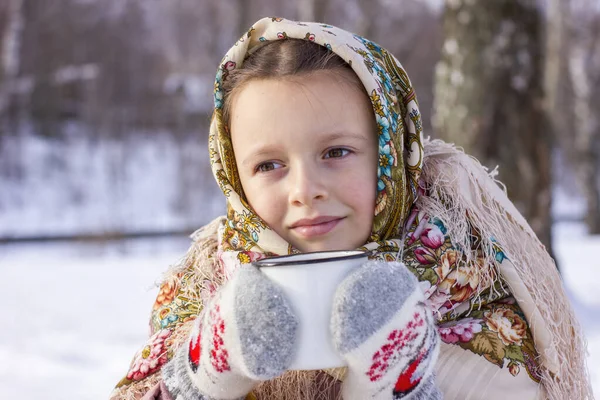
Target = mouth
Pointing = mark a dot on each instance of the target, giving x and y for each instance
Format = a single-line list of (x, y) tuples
[(315, 226)]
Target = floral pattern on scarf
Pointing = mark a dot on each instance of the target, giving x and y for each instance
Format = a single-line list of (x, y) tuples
[(481, 317), (490, 323), (177, 302), (474, 307), (399, 130)]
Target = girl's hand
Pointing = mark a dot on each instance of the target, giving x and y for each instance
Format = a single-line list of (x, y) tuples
[(384, 331), (247, 334)]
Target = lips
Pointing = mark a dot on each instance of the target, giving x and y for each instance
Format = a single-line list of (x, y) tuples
[(315, 226)]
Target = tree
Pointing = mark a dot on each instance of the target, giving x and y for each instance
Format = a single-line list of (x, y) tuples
[(368, 18), (582, 144), (489, 97), (312, 10), (11, 20)]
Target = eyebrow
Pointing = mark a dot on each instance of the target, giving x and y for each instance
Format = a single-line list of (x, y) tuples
[(342, 135), (262, 151)]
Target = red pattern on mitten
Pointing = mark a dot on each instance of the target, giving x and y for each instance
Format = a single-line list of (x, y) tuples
[(218, 353), (246, 334), (386, 334), (396, 340), (194, 352)]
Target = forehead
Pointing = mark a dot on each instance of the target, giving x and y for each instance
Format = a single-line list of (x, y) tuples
[(320, 102)]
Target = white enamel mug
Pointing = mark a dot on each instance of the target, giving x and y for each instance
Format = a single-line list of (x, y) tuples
[(309, 281)]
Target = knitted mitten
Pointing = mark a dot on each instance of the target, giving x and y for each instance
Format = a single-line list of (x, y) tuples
[(247, 334), (384, 331)]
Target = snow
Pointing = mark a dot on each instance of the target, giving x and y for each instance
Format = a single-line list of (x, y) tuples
[(451, 46), (197, 90), (77, 313), (71, 73), (456, 78), (139, 183), (577, 257)]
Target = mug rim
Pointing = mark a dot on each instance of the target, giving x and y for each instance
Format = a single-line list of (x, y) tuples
[(286, 259)]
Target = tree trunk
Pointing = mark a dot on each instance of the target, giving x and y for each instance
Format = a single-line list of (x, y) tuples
[(243, 12), (367, 21), (585, 158), (571, 77), (489, 98), (312, 10), (555, 66), (10, 47)]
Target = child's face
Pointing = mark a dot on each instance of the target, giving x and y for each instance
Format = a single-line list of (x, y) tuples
[(306, 152)]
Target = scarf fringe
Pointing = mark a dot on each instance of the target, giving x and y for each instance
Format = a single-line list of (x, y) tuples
[(297, 385), (459, 185), (136, 390), (199, 265)]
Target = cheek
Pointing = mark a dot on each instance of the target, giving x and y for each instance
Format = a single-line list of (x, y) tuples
[(265, 202), (360, 191)]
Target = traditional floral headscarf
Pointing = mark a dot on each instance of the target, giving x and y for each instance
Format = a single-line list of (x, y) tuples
[(462, 237), (471, 271), (399, 130)]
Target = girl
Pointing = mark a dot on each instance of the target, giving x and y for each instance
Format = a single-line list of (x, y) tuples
[(316, 142)]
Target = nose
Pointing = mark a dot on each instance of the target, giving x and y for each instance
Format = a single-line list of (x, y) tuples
[(307, 185)]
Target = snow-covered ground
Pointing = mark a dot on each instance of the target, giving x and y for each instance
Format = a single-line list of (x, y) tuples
[(577, 255), (77, 313)]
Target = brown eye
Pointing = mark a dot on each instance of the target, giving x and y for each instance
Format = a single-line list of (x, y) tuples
[(336, 153), (267, 166)]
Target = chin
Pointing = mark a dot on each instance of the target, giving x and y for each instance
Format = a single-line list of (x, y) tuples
[(314, 247)]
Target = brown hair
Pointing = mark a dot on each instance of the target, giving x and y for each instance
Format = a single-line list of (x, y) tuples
[(284, 59)]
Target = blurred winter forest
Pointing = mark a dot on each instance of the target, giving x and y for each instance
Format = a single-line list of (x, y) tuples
[(105, 105)]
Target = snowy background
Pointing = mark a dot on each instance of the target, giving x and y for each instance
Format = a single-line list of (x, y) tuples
[(103, 134), (78, 312), (147, 181)]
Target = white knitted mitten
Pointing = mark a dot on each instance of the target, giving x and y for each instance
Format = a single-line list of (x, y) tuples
[(247, 335), (384, 331)]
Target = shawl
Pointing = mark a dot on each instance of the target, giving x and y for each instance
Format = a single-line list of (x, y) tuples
[(494, 287)]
